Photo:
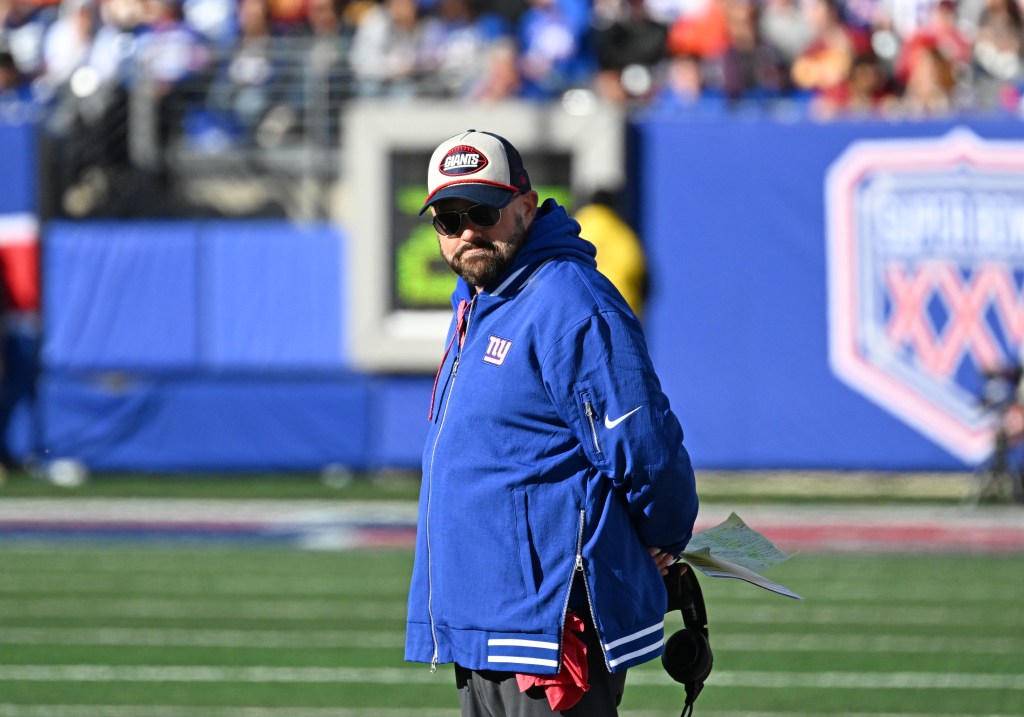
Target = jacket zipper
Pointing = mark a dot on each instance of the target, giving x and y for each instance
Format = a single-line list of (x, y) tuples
[(437, 439), (578, 568), (588, 407)]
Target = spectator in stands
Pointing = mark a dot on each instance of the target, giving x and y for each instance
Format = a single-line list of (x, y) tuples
[(387, 52), (784, 25), (999, 55), (170, 53), (215, 20), (500, 79), (90, 107), (680, 90), (241, 94), (287, 17), (456, 41), (904, 17), (750, 69), (68, 41), (114, 46), (941, 32), (553, 53), (325, 64), (930, 85), (23, 24), (703, 31), (627, 42), (867, 92), (823, 67)]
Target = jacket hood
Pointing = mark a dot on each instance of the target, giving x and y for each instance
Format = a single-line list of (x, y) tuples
[(553, 234)]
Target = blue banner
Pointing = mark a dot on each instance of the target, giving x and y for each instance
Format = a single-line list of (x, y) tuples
[(752, 315)]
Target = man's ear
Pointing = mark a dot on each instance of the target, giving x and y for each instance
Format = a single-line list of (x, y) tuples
[(530, 200)]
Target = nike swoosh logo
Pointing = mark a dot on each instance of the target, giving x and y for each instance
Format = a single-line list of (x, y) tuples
[(609, 424)]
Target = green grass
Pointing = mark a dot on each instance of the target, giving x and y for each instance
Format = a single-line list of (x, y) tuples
[(396, 485), (736, 487), (215, 632)]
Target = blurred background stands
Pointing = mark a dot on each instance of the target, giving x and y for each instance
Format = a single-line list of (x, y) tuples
[(231, 107)]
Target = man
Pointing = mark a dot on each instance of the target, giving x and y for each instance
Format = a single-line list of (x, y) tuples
[(554, 469)]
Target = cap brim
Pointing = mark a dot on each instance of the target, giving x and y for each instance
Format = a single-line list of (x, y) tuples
[(488, 195)]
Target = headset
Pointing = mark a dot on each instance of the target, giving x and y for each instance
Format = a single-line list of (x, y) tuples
[(687, 657)]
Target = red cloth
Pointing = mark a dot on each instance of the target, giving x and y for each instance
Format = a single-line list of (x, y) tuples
[(565, 688)]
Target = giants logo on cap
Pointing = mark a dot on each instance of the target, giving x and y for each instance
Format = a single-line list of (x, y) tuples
[(926, 259), (461, 160)]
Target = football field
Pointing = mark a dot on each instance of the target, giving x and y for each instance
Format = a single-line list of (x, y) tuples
[(116, 626)]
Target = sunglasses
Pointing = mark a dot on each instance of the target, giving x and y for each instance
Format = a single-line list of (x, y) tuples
[(450, 223)]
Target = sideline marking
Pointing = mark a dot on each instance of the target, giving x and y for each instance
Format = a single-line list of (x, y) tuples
[(395, 639), (422, 676), (36, 710)]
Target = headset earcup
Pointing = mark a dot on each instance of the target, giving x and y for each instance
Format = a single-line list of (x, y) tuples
[(687, 656)]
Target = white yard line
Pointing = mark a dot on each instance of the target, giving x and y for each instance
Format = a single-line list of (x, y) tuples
[(16, 710), (395, 639), (423, 676), (181, 637), (779, 613)]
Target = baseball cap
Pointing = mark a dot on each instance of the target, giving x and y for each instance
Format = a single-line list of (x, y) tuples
[(477, 166)]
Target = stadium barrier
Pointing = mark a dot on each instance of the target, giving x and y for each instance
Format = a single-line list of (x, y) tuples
[(824, 296)]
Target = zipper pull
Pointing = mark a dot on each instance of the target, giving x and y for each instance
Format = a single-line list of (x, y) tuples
[(455, 365), (433, 664), (579, 563)]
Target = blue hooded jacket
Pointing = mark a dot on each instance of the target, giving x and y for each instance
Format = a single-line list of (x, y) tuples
[(552, 452)]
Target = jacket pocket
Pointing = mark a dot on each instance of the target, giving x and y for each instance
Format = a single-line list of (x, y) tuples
[(590, 422), (526, 549)]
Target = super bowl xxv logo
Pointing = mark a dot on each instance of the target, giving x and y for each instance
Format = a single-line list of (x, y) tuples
[(925, 272)]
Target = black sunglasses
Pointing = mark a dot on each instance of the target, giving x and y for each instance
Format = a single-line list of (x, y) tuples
[(450, 223)]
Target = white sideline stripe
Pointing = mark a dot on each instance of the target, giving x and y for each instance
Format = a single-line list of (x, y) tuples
[(302, 610), (13, 710), (780, 642), (635, 636), (522, 660), (305, 610), (395, 675), (513, 642), (875, 616), (849, 680), (211, 673), (181, 637), (69, 580), (37, 710), (368, 639), (73, 582)]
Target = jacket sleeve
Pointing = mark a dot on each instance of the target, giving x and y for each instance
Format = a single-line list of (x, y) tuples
[(600, 376)]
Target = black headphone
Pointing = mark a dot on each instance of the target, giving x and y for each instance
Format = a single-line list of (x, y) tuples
[(687, 657)]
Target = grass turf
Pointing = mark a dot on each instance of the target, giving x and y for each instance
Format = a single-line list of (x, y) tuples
[(150, 632)]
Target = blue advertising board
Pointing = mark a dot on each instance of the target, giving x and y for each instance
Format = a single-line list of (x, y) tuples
[(779, 255), (824, 296)]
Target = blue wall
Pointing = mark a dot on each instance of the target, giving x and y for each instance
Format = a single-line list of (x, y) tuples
[(178, 346), (734, 219), (220, 346)]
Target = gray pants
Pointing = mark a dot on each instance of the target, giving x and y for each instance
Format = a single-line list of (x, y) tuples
[(487, 693)]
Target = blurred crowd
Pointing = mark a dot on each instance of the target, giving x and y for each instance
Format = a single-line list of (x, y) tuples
[(832, 58)]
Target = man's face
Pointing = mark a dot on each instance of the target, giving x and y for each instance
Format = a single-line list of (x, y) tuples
[(480, 254)]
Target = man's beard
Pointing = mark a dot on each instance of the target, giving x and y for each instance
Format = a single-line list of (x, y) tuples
[(488, 260)]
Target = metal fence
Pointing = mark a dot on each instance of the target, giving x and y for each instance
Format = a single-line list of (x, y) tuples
[(254, 131)]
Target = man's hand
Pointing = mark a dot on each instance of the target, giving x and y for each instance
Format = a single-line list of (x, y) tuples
[(662, 560)]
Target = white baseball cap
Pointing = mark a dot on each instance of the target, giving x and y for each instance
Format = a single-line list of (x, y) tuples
[(477, 166)]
